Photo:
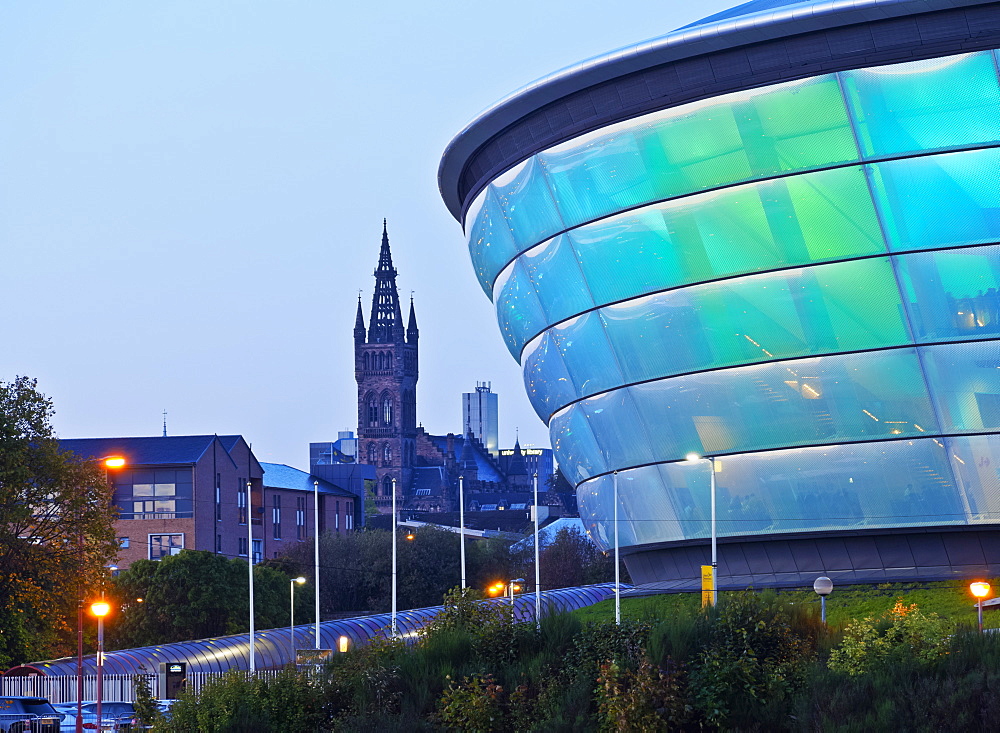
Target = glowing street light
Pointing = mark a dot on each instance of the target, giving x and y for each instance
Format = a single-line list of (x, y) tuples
[(980, 590), (823, 587), (100, 609), (291, 611)]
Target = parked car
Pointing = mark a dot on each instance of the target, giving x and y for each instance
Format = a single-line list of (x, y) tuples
[(116, 717), (34, 714)]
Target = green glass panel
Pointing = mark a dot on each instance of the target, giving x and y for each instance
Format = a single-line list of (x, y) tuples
[(925, 105), (786, 222), (557, 279)]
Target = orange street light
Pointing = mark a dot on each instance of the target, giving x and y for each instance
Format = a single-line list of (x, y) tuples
[(980, 590), (410, 536), (114, 462), (100, 609)]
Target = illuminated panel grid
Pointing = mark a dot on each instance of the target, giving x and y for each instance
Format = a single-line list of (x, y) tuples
[(800, 279)]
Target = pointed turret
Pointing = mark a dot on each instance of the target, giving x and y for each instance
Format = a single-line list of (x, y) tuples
[(411, 328), (386, 319), (359, 324), (467, 462), (516, 466)]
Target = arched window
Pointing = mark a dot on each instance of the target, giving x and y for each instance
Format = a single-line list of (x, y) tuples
[(366, 361), (386, 455), (386, 486), (387, 410), (371, 454), (372, 411)]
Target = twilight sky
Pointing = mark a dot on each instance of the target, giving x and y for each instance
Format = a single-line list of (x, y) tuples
[(192, 194)]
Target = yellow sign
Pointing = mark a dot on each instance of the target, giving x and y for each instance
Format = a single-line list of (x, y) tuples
[(706, 586)]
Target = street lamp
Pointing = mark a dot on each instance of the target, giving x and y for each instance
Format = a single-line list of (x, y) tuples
[(316, 554), (100, 609), (823, 587), (461, 525), (691, 458), (980, 590), (618, 587), (291, 611), (109, 462), (514, 587), (538, 589), (253, 660), (394, 531)]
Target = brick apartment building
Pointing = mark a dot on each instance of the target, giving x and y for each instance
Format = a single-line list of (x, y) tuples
[(190, 492)]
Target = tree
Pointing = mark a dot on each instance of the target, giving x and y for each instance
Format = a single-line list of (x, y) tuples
[(56, 529), (194, 595)]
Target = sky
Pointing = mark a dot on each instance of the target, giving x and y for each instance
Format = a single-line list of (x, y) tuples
[(192, 195)]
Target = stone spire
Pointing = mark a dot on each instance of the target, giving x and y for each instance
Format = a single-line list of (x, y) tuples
[(411, 329), (386, 319), (516, 466), (359, 324)]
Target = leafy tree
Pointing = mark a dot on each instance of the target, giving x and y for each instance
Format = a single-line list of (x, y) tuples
[(56, 529), (194, 595)]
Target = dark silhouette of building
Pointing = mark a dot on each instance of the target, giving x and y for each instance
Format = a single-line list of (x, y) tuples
[(386, 370)]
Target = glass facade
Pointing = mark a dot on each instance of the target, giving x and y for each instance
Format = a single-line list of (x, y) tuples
[(802, 280)]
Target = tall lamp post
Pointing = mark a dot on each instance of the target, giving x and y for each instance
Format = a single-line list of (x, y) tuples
[(316, 554), (980, 590), (538, 575), (108, 462), (692, 457), (514, 587), (253, 660), (394, 519), (461, 525), (100, 609), (291, 611), (618, 585)]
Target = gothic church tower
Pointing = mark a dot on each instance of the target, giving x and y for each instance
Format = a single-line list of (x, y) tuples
[(385, 367)]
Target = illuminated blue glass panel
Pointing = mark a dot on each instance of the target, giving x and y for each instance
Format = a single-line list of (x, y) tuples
[(846, 397), (925, 105), (940, 200), (546, 380), (845, 306), (587, 354), (965, 385), (527, 203), (599, 174), (975, 460), (574, 446), (557, 279), (839, 487), (519, 313), (490, 242), (615, 424), (952, 294)]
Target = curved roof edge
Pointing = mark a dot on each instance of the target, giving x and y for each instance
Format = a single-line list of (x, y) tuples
[(692, 40)]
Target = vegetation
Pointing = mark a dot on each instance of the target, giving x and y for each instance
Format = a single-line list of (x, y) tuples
[(56, 529), (194, 595), (757, 662), (356, 567)]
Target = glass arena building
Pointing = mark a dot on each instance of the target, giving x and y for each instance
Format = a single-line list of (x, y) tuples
[(771, 237)]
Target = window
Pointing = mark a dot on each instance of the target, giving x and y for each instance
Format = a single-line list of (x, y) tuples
[(154, 500), (372, 411), (336, 516), (349, 518), (386, 455), (218, 543), (218, 504), (123, 542), (154, 494), (161, 545), (386, 486), (276, 515), (387, 410), (371, 454), (300, 517), (258, 551), (242, 546), (241, 503)]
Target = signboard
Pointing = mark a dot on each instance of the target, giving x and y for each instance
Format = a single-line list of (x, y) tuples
[(312, 656), (706, 586), (524, 452)]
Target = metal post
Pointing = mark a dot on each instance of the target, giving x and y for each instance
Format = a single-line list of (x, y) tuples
[(980, 605), (79, 655), (291, 616), (100, 668), (316, 555), (618, 588), (822, 609), (538, 575), (394, 521), (461, 524), (253, 660), (715, 560)]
